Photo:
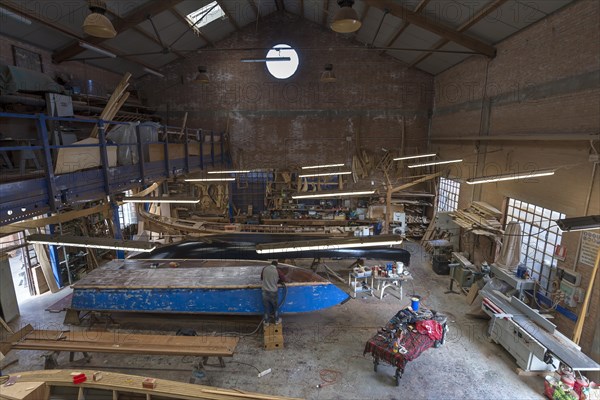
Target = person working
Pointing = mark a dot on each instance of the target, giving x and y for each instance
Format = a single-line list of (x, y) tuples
[(271, 276)]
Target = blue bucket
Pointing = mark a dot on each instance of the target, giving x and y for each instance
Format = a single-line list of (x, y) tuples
[(414, 303)]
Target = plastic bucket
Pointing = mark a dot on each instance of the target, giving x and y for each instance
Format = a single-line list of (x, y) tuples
[(414, 302)]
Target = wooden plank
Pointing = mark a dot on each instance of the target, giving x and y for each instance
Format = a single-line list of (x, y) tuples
[(112, 101), (5, 326), (71, 159), (586, 302), (44, 260), (416, 182), (25, 391)]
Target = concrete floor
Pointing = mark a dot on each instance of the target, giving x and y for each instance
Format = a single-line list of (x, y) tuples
[(467, 366)]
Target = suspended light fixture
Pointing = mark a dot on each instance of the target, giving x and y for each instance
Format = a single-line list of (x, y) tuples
[(509, 177), (233, 171), (97, 24), (328, 76), (346, 18), (323, 195), (324, 174), (579, 223), (202, 77), (417, 156), (210, 179), (162, 199), (434, 163), (91, 242), (97, 49), (329, 244), (153, 72), (323, 166)]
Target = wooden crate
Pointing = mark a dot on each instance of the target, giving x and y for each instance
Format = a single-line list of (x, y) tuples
[(273, 337)]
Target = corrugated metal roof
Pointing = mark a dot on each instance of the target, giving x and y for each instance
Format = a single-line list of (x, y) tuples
[(142, 47)]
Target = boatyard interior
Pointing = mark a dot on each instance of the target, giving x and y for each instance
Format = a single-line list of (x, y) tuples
[(421, 175)]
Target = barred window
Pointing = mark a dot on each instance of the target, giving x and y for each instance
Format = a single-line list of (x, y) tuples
[(540, 237), (448, 195)]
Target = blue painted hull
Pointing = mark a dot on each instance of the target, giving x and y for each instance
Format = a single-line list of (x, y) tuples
[(301, 298)]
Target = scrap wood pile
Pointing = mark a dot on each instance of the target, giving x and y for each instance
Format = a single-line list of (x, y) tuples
[(479, 218)]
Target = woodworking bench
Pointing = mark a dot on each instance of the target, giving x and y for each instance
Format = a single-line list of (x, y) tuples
[(405, 337), (119, 342)]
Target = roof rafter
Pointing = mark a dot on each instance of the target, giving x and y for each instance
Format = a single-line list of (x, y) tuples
[(195, 29), (253, 7), (405, 25), (472, 21), (149, 36), (325, 12), (128, 21), (430, 25), (232, 20), (66, 31)]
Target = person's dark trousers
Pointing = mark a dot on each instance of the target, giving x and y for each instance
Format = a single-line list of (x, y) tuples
[(270, 302)]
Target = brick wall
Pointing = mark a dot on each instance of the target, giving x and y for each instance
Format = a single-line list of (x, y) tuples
[(544, 80), (298, 121)]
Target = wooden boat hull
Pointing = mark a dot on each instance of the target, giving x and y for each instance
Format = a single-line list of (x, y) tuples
[(207, 301), (198, 286)]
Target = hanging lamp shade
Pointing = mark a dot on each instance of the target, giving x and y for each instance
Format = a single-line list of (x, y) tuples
[(97, 24), (202, 77), (346, 18), (328, 76)]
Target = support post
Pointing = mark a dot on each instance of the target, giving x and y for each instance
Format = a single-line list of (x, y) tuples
[(141, 159), (167, 164), (117, 227), (49, 169), (104, 156)]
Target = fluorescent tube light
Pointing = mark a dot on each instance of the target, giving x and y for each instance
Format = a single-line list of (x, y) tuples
[(325, 174), (579, 223), (509, 177), (330, 194), (268, 59), (209, 179), (153, 72), (329, 244), (434, 163), (413, 157), (137, 199), (323, 166), (15, 16), (229, 172), (92, 242), (97, 50)]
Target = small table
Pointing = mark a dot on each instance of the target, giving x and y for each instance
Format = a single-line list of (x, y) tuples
[(354, 279), (383, 282)]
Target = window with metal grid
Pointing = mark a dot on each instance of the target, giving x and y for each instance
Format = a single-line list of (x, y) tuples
[(127, 212), (448, 195), (540, 235)]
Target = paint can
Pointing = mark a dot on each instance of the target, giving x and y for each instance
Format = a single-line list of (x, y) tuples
[(414, 303), (399, 267), (580, 383)]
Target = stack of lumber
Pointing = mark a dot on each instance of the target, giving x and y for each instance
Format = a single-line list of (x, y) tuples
[(116, 101), (479, 218)]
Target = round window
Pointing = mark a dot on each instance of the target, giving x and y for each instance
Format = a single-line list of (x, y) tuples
[(282, 69)]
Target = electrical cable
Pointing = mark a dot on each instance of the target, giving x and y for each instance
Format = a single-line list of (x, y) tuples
[(329, 377)]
